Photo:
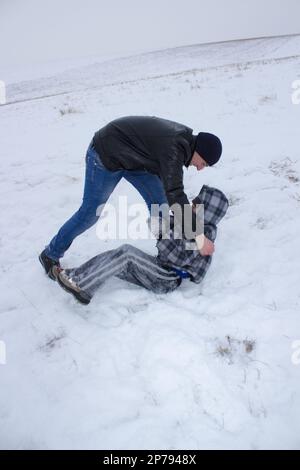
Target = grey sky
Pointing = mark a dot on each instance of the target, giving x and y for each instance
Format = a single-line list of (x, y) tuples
[(32, 31)]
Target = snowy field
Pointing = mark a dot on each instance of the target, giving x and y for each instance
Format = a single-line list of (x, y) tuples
[(207, 366)]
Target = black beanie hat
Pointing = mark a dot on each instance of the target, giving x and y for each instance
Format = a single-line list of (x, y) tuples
[(209, 147)]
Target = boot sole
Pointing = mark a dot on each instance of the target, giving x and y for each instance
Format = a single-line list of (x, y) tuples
[(75, 294)]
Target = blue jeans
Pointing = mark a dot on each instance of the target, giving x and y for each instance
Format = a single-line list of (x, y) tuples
[(99, 184)]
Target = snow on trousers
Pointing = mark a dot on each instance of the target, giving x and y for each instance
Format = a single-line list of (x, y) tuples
[(127, 263)]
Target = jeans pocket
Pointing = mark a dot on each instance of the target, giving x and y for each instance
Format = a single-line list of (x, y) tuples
[(91, 167)]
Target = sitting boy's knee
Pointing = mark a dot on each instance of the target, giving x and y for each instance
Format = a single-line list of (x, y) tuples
[(126, 248)]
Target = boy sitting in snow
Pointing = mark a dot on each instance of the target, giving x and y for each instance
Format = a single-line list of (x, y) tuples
[(160, 274)]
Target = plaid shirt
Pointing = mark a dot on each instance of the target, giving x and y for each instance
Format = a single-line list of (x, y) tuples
[(183, 254)]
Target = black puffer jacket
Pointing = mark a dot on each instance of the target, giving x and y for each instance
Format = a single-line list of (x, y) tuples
[(149, 143)]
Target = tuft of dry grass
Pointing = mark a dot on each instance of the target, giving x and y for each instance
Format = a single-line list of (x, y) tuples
[(284, 168), (266, 99), (232, 347), (249, 345), (68, 110), (52, 342), (234, 200)]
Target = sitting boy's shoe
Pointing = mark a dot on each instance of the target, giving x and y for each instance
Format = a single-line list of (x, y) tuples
[(48, 264), (70, 286)]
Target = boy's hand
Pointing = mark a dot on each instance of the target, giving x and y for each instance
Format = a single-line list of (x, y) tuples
[(205, 246)]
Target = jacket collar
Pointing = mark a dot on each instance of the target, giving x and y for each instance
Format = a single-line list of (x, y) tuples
[(192, 146)]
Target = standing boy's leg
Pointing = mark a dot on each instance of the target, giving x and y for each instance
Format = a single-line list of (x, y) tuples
[(148, 185), (99, 184)]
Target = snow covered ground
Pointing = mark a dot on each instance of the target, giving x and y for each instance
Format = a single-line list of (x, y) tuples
[(207, 366)]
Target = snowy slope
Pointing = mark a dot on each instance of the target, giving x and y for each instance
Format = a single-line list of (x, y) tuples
[(204, 367), (187, 59)]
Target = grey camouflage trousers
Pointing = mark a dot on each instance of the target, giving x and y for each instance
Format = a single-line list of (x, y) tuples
[(128, 263)]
